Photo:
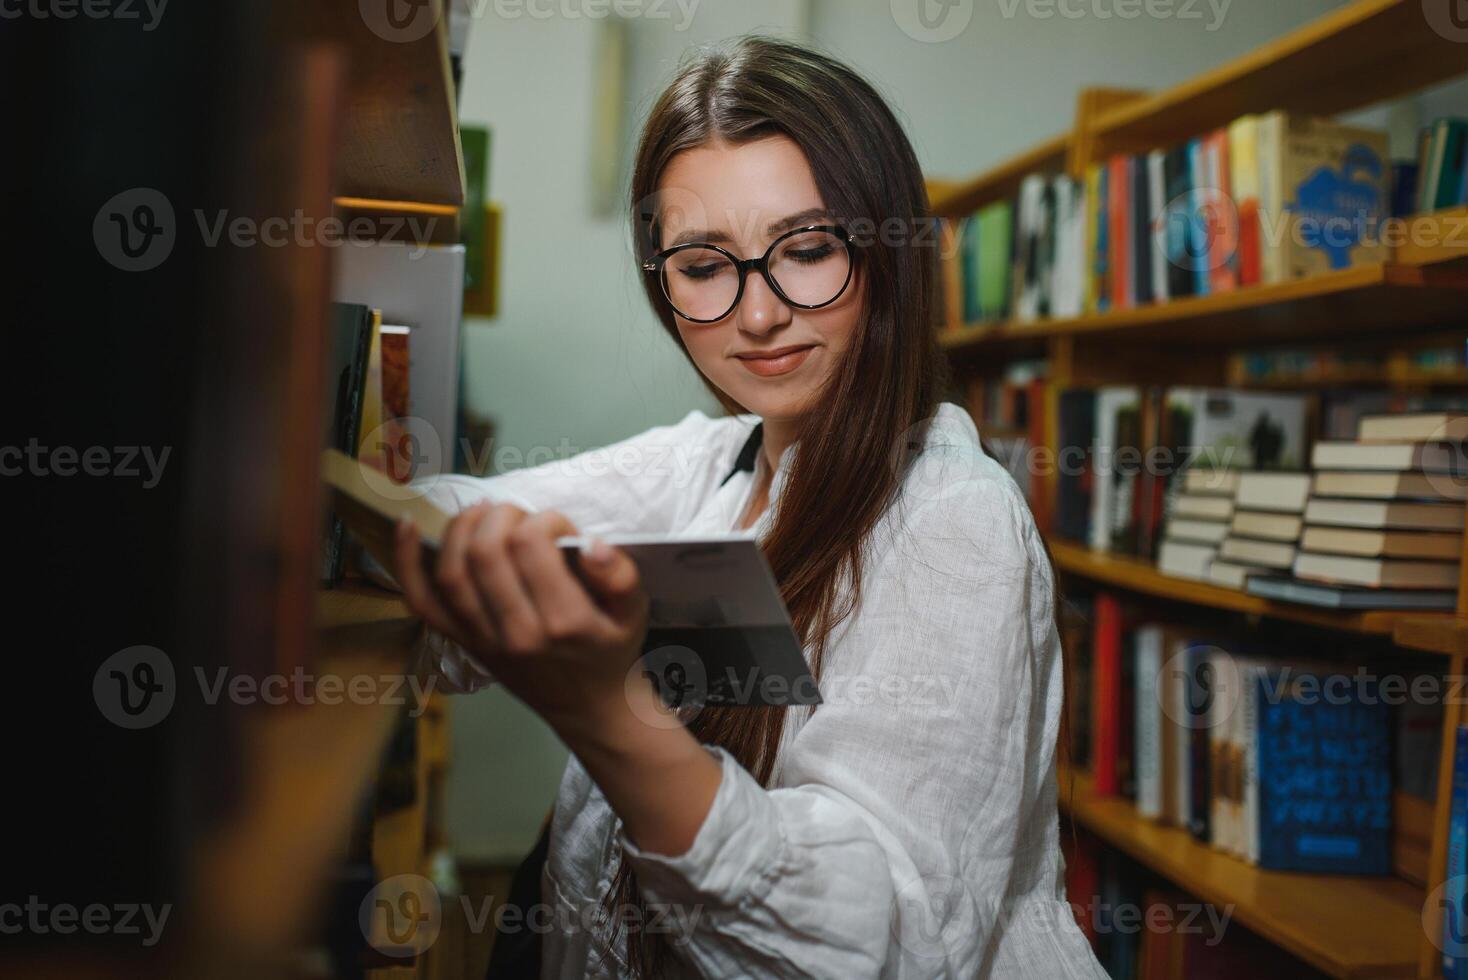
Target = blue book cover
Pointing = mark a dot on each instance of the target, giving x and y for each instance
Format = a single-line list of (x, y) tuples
[(1455, 922), (1325, 779), (1197, 241)]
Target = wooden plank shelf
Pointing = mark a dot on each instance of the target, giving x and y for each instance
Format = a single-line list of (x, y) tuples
[(1433, 634), (1347, 926), (1137, 575), (1363, 53), (399, 126), (959, 198), (1364, 299)]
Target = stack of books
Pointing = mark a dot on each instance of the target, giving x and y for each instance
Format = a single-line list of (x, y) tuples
[(1265, 529), (1384, 522), (1198, 523)]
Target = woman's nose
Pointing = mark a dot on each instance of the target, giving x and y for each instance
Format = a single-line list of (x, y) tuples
[(761, 310)]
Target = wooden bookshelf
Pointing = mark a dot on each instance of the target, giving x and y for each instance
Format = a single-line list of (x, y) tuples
[(1358, 55), (399, 134), (1363, 53), (1001, 181), (1346, 926), (1142, 577), (1361, 300)]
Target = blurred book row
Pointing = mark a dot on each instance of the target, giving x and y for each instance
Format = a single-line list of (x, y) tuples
[(1266, 199)]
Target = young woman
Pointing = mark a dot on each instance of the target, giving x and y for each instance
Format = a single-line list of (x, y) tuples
[(906, 826)]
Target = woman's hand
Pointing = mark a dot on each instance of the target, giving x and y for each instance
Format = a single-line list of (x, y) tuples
[(503, 590)]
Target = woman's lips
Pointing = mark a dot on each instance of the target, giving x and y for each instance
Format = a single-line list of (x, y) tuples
[(782, 360)]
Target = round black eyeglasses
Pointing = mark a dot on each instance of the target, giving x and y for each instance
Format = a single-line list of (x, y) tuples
[(806, 267)]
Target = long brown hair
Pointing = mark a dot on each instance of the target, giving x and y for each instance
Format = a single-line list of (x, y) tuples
[(853, 440)]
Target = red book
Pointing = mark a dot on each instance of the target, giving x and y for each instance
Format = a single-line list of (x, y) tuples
[(1223, 229), (1106, 694), (1082, 876), (1118, 241)]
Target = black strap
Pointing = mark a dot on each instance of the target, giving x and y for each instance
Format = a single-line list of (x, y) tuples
[(747, 455)]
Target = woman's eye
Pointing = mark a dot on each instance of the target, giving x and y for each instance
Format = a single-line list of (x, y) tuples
[(815, 254), (701, 271)]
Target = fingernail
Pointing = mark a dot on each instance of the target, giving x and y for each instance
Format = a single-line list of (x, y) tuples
[(597, 551), (404, 523)]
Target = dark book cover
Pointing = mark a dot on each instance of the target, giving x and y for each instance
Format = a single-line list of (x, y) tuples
[(1200, 690), (1141, 230), (1177, 178), (1126, 473), (351, 340), (1076, 473), (1325, 777)]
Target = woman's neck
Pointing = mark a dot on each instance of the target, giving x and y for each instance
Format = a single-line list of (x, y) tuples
[(779, 435)]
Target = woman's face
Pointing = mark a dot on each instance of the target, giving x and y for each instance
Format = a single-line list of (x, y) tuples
[(767, 355)]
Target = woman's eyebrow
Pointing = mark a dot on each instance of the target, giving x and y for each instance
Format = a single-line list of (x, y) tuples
[(808, 216)]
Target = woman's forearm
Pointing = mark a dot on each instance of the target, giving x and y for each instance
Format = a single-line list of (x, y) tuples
[(657, 778)]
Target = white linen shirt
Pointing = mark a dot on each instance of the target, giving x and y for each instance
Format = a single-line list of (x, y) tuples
[(910, 830)]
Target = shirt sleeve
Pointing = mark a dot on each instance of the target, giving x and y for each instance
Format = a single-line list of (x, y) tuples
[(914, 830), (649, 483)]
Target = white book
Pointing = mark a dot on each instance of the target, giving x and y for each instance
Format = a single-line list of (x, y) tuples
[(1273, 491), (1266, 525), (1157, 201), (1249, 673), (1433, 457), (1147, 719), (1201, 532), (1249, 551), (1232, 574), (1202, 507), (1185, 560), (1175, 682)]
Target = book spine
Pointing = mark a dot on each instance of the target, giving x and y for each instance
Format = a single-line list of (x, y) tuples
[(1455, 917), (1148, 722), (1250, 709), (1273, 222), (1106, 693), (1199, 773), (1119, 244)]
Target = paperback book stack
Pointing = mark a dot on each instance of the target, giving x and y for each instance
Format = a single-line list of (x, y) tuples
[(1384, 523), (1198, 523), (1265, 530)]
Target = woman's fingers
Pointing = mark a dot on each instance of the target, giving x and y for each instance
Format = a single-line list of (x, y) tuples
[(498, 581), (566, 611), (613, 579), (455, 581), (413, 578)]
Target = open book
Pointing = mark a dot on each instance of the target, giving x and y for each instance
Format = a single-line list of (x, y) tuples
[(718, 632)]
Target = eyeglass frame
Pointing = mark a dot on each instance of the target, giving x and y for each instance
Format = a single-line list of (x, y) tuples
[(760, 264)]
